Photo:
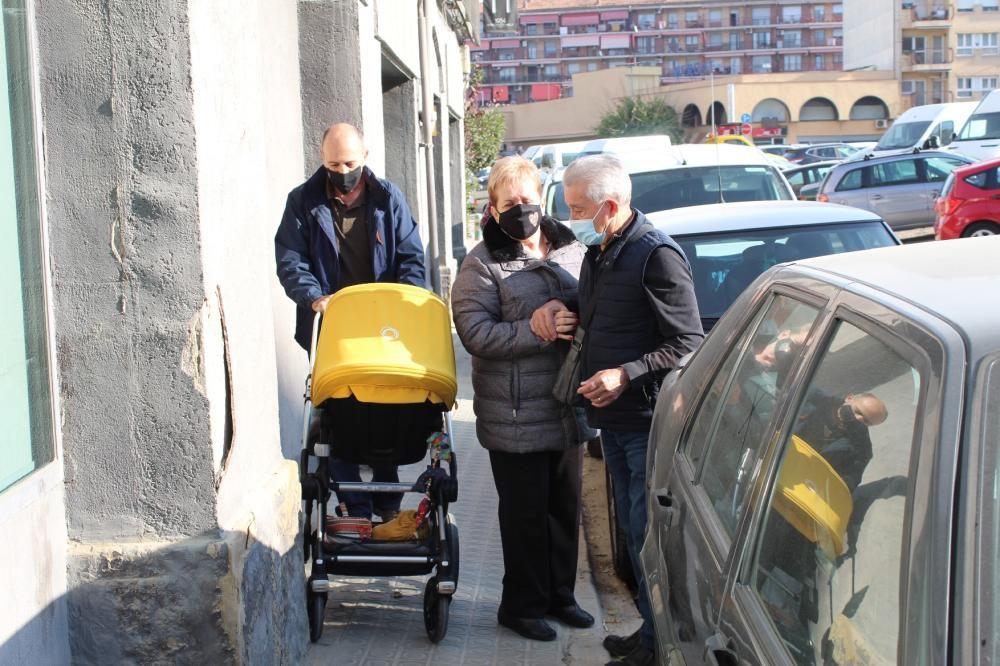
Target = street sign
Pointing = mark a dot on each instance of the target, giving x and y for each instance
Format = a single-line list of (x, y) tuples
[(745, 118), (746, 129)]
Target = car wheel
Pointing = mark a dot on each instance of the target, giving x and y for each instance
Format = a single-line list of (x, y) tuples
[(981, 229), (619, 541)]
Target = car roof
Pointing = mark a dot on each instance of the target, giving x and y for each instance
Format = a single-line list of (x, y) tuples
[(942, 277), (811, 165), (909, 154), (747, 215), (685, 154), (976, 167)]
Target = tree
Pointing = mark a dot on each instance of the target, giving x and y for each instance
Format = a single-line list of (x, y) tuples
[(636, 117), (484, 128)]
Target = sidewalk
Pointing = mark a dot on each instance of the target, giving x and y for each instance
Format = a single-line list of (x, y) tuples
[(376, 621)]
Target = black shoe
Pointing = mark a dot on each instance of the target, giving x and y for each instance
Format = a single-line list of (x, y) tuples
[(640, 656), (619, 646), (573, 615), (536, 629)]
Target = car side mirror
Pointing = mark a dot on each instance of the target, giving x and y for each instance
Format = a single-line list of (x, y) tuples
[(931, 142), (548, 162)]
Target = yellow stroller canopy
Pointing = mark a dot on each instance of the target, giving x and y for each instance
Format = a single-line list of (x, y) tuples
[(385, 343)]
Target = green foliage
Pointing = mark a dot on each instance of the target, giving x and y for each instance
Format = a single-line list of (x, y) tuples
[(637, 117), (484, 128)]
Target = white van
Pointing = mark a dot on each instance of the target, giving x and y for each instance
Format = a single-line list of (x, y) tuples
[(923, 127), (554, 155), (623, 145), (980, 136)]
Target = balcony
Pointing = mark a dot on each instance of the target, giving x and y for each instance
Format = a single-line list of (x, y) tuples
[(927, 60), (920, 17)]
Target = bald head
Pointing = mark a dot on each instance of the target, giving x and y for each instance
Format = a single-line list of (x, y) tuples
[(343, 148)]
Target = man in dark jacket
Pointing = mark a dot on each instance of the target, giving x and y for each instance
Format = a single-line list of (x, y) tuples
[(345, 226), (645, 318)]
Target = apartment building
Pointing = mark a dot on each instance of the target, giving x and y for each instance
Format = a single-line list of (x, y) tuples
[(941, 51), (552, 40)]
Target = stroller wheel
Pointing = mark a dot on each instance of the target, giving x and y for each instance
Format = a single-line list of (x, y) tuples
[(436, 607), (315, 607)]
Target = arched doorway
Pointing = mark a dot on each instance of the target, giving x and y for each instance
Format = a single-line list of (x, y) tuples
[(869, 108), (691, 116), (716, 114), (818, 108), (770, 112)]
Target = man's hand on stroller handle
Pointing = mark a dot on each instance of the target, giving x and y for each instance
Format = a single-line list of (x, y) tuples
[(319, 305), (553, 321)]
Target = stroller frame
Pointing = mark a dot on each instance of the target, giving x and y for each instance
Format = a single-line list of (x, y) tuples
[(438, 552)]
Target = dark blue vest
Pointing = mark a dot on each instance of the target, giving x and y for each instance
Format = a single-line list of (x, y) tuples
[(623, 326)]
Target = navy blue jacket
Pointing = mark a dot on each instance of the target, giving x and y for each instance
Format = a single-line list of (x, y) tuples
[(306, 250), (645, 320)]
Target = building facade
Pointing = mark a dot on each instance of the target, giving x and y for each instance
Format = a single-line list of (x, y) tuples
[(555, 39), (149, 383), (941, 51)]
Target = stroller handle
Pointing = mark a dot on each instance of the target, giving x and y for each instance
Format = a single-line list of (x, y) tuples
[(315, 335)]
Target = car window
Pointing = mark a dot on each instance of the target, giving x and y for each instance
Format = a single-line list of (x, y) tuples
[(724, 263), (938, 168), (827, 563), (844, 151), (694, 186), (797, 178), (557, 207), (989, 556), (978, 179), (897, 172), (732, 422), (850, 181)]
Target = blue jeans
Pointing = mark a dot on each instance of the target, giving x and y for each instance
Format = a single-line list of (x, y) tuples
[(360, 505), (625, 456)]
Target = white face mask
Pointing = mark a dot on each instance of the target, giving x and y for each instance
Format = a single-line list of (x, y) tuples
[(584, 229)]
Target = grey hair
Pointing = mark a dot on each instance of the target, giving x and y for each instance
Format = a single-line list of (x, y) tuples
[(604, 176)]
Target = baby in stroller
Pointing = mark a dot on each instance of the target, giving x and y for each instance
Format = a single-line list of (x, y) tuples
[(382, 383)]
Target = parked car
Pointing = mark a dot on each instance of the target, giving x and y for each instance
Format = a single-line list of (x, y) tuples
[(901, 189), (625, 145), (979, 137), (729, 138), (823, 470), (820, 153), (969, 204), (778, 149), (688, 175), (554, 155), (729, 245), (808, 174), (925, 127), (780, 162)]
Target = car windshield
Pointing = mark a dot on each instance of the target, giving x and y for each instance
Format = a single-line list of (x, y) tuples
[(981, 126), (690, 186), (902, 135), (724, 264)]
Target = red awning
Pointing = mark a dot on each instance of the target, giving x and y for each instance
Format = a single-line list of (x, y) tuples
[(616, 41), (617, 15), (500, 94), (539, 18), (573, 41), (505, 43), (541, 92), (581, 19)]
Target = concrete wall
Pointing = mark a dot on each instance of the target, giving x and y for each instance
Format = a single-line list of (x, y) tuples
[(871, 35)]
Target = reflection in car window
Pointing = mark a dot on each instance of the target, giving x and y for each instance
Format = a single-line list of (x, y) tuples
[(938, 168), (724, 263), (850, 181), (828, 560), (695, 186), (733, 420), (899, 172)]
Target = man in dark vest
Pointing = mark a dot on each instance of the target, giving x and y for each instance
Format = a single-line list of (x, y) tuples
[(346, 226), (645, 318)]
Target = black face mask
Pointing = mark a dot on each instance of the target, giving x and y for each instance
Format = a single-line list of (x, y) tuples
[(847, 421), (521, 221), (345, 182)]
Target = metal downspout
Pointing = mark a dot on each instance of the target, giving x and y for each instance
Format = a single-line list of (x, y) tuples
[(427, 99)]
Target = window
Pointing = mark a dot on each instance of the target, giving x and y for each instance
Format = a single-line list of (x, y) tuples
[(507, 74), (819, 37), (551, 72), (691, 17), (900, 172), (819, 13), (976, 86), (760, 15), (646, 21), (838, 12), (791, 38), (573, 68), (715, 17), (792, 63), (592, 66), (733, 420), (819, 64), (551, 48), (24, 372), (980, 180), (968, 43), (672, 21), (938, 168), (828, 560), (791, 14), (850, 181), (761, 40)]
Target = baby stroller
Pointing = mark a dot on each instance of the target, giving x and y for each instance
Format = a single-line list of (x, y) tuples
[(381, 384)]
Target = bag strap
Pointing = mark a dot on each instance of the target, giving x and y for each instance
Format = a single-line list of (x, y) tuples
[(587, 315)]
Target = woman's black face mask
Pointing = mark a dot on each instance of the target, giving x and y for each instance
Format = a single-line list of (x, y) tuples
[(521, 221), (345, 182)]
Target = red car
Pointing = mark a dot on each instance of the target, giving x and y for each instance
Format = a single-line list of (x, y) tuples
[(969, 204)]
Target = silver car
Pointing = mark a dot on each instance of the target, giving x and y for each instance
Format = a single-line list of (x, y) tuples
[(823, 471), (901, 189)]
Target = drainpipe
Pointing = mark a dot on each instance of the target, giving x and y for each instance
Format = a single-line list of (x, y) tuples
[(427, 98)]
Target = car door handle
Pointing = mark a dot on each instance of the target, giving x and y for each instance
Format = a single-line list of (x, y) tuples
[(718, 651), (665, 508), (876, 197)]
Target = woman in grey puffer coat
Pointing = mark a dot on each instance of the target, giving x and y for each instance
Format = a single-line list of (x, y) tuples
[(514, 297)]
